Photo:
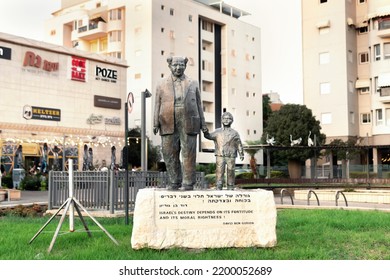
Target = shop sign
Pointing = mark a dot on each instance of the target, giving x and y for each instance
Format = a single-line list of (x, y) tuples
[(95, 119), (41, 113), (5, 53), (107, 102), (78, 69), (33, 60), (112, 121), (106, 74)]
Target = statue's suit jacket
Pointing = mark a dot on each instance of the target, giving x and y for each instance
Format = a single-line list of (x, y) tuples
[(164, 108)]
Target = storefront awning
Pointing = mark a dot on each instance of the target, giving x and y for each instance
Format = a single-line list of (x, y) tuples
[(362, 83), (384, 80), (323, 24)]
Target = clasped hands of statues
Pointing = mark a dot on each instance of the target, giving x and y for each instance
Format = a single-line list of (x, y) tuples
[(156, 129)]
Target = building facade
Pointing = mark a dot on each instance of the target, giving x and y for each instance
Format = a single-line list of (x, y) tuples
[(346, 71), (223, 53), (56, 101)]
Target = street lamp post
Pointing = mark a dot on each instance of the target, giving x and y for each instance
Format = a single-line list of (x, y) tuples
[(144, 161), (63, 153)]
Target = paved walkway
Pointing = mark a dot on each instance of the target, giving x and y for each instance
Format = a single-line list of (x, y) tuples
[(41, 197)]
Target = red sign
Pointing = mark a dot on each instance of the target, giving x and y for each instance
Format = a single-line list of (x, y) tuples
[(79, 69), (31, 59)]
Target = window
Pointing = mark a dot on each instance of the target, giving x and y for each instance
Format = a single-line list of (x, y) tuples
[(386, 50), (162, 7), (376, 84), (137, 30), (324, 58), (52, 32), (364, 90), (162, 29), (365, 118), (361, 1), (172, 11), (116, 14), (190, 18), (324, 30), (323, 1), (352, 117), (233, 91), (388, 117), (363, 29), (363, 57), (326, 118), (350, 86), (137, 76), (383, 23), (379, 116), (116, 54), (325, 88), (172, 34), (191, 40), (350, 56), (115, 36), (207, 26), (377, 52), (162, 52)]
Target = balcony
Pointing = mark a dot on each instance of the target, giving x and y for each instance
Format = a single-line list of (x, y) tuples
[(384, 33), (91, 31)]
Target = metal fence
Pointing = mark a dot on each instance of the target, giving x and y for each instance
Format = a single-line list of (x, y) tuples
[(105, 190)]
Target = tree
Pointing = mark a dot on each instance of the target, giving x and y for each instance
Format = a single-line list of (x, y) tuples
[(134, 150), (292, 122), (252, 151), (267, 111)]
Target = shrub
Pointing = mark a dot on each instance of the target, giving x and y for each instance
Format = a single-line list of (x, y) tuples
[(278, 174), (7, 182), (30, 183), (362, 175), (210, 179), (245, 175)]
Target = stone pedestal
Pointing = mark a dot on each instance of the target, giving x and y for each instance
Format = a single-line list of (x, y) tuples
[(204, 219)]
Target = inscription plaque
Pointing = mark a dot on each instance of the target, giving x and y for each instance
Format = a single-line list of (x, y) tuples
[(204, 219)]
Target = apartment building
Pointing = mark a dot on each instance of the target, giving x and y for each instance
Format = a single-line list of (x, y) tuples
[(223, 53), (346, 71), (55, 101)]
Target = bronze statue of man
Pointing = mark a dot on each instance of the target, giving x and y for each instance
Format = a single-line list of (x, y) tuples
[(227, 144), (178, 116)]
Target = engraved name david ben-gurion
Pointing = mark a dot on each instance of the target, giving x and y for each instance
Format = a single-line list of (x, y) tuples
[(178, 117)]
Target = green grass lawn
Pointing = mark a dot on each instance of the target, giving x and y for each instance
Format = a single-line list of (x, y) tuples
[(301, 234)]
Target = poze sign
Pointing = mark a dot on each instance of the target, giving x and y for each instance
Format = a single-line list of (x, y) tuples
[(106, 74), (41, 113)]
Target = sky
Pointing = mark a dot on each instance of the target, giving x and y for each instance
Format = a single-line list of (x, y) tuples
[(279, 20)]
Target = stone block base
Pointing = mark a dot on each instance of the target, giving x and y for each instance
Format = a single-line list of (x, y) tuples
[(204, 219)]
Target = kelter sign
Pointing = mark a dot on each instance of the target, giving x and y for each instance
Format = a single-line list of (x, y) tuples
[(5, 53), (40, 113)]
